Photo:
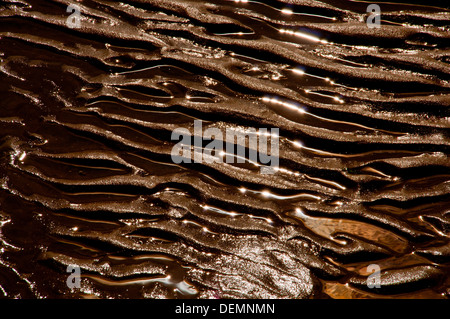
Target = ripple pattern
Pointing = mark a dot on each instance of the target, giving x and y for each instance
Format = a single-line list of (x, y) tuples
[(85, 141)]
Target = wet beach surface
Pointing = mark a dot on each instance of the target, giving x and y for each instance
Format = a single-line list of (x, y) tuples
[(87, 178)]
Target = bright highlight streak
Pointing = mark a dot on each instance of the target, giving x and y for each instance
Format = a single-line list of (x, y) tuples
[(300, 212), (298, 71), (338, 99), (298, 144), (266, 193), (285, 104), (303, 35)]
